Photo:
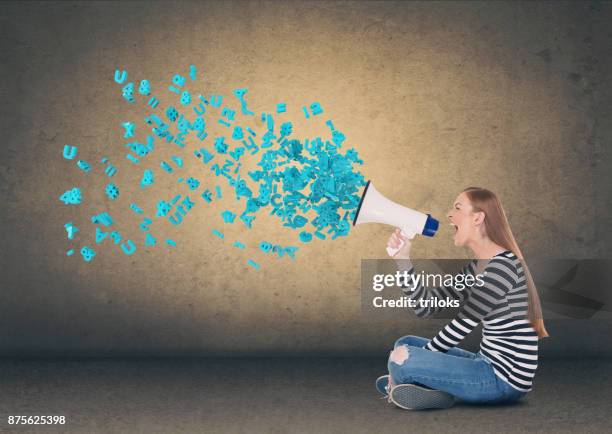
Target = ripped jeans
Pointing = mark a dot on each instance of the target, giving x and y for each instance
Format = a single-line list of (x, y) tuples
[(467, 376)]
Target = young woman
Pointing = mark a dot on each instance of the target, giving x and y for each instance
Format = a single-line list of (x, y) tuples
[(426, 373)]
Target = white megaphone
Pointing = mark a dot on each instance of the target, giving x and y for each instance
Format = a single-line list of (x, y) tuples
[(376, 208)]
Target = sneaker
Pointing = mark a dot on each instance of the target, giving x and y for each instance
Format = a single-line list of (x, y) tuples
[(382, 385), (413, 397)]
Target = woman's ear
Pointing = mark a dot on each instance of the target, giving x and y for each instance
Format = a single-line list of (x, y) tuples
[(478, 218)]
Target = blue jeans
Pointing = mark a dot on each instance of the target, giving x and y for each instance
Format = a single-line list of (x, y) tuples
[(467, 376)]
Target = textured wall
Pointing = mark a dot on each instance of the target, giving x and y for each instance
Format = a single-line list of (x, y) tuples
[(435, 96)]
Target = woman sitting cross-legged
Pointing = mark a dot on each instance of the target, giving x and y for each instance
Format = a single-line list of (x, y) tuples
[(434, 373)]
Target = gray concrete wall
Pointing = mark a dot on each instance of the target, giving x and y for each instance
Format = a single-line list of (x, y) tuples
[(435, 96)]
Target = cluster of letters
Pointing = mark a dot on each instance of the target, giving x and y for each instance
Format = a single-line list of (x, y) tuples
[(310, 185)]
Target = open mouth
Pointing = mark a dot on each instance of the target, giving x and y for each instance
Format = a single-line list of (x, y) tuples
[(455, 227)]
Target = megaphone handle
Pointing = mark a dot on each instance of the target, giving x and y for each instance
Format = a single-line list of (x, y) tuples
[(392, 251)]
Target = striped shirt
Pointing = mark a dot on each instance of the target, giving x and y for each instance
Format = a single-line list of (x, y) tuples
[(509, 341)]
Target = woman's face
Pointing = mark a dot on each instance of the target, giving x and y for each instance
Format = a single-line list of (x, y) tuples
[(461, 217)]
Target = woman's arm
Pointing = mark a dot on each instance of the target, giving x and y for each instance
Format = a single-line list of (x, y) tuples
[(419, 291), (499, 277)]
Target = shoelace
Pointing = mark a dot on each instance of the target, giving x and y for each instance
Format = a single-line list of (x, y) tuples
[(388, 395)]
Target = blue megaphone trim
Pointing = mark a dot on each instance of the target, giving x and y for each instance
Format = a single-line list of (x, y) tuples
[(431, 226)]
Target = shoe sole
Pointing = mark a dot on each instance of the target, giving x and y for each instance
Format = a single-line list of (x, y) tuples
[(413, 397), (379, 379)]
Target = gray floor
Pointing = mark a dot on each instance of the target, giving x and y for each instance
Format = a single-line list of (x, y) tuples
[(280, 395)]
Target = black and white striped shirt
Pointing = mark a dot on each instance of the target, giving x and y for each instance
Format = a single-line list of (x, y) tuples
[(508, 339)]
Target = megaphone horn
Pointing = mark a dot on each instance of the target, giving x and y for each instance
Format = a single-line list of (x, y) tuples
[(376, 208)]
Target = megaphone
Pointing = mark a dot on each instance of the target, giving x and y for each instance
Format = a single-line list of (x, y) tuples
[(376, 208)]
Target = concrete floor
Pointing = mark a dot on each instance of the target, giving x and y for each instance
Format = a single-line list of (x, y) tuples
[(280, 396)]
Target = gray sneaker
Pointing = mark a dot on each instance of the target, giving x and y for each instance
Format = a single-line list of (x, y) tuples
[(382, 385), (413, 397)]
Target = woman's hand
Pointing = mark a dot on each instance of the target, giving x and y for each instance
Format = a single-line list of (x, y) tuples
[(395, 240)]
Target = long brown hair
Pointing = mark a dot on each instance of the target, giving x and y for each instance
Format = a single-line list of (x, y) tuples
[(498, 230)]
